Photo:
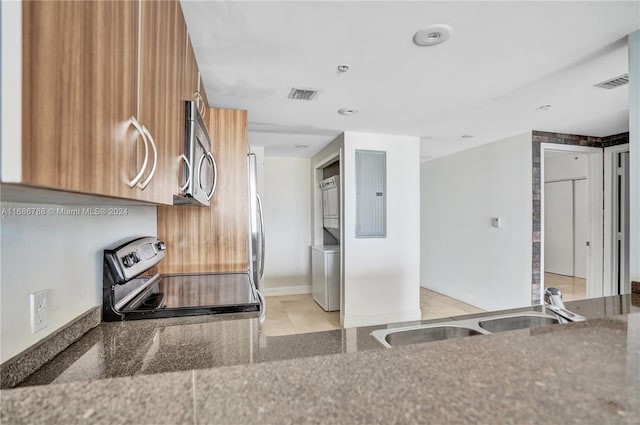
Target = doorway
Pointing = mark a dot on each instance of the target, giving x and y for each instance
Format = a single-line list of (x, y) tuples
[(572, 220), (566, 224), (616, 220)]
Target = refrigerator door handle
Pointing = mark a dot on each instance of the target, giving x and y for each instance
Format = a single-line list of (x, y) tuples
[(263, 307), (261, 235)]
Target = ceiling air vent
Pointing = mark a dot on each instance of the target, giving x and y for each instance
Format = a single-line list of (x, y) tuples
[(302, 94), (614, 82)]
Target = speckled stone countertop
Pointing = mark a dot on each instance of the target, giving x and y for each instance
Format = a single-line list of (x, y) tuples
[(577, 373)]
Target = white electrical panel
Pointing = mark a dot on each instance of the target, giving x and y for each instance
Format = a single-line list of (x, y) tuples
[(371, 194)]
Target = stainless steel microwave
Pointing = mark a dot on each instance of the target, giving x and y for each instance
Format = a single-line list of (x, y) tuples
[(199, 174)]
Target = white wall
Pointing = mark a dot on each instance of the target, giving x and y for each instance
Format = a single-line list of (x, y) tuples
[(60, 253), (382, 275), (462, 255), (287, 216), (634, 154)]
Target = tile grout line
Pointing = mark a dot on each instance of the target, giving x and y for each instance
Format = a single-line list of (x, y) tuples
[(193, 394)]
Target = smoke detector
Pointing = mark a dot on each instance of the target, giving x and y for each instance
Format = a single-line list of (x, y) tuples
[(432, 35), (612, 83), (302, 94)]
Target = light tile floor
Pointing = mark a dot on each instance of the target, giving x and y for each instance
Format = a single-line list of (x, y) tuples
[(572, 288), (296, 314)]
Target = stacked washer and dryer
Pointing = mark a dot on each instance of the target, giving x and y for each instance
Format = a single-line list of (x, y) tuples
[(325, 259)]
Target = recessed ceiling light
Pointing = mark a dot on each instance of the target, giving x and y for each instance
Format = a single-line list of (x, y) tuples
[(432, 35), (348, 111), (301, 146), (544, 107), (467, 136), (344, 67)]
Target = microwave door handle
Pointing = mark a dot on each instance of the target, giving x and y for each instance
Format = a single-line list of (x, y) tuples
[(261, 235), (145, 183), (215, 176), (134, 122), (188, 164)]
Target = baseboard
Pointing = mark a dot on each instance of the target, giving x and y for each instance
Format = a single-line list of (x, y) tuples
[(382, 319), (287, 290), (20, 366)]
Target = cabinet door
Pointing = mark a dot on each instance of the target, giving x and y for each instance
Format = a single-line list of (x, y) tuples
[(162, 52), (192, 75), (213, 239), (79, 92)]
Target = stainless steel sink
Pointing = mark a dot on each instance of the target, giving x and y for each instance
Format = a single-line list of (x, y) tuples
[(521, 321), (414, 334), (437, 333), (406, 335)]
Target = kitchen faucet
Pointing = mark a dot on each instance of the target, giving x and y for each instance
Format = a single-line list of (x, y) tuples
[(553, 300)]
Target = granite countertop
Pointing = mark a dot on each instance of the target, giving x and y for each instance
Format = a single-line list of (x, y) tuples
[(582, 372)]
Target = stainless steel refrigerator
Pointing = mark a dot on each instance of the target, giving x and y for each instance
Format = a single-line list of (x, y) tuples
[(256, 234)]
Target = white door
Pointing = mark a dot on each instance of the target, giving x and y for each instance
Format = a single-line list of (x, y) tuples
[(580, 227), (558, 227)]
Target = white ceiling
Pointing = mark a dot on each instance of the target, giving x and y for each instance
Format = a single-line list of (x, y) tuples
[(504, 60)]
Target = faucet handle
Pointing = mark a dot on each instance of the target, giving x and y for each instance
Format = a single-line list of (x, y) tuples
[(553, 296), (553, 291)]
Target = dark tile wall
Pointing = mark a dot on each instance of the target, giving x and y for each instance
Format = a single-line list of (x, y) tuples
[(536, 191), (616, 139)]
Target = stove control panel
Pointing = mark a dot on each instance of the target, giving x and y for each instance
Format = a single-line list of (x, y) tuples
[(133, 258)]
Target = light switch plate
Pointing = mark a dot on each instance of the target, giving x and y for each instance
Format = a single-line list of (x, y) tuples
[(38, 302)]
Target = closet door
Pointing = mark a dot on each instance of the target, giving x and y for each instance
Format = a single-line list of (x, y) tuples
[(580, 228), (558, 227)]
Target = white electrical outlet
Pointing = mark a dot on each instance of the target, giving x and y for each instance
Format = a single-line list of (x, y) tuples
[(38, 302)]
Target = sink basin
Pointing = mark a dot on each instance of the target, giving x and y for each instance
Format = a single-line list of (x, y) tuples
[(428, 334), (521, 321), (422, 333), (413, 334)]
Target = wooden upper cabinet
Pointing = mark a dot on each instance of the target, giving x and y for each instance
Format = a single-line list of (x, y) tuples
[(79, 92), (89, 67), (161, 95), (194, 88), (191, 73)]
